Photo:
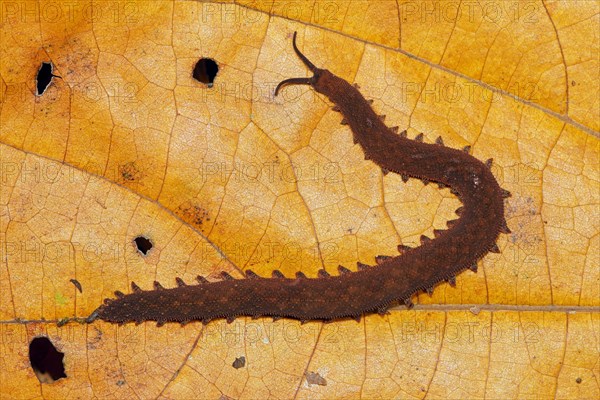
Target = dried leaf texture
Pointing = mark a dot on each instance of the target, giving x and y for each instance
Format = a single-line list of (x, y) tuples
[(126, 143)]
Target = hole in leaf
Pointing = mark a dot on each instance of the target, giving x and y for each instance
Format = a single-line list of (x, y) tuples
[(205, 71), (44, 78), (46, 361), (143, 244)]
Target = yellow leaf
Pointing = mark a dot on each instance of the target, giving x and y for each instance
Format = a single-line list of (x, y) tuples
[(125, 144)]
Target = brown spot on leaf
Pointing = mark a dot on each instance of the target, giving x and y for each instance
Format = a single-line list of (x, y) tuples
[(130, 172), (239, 362), (313, 378), (193, 214)]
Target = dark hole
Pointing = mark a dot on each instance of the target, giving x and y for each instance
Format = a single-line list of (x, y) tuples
[(46, 361), (205, 71), (44, 77), (143, 244)]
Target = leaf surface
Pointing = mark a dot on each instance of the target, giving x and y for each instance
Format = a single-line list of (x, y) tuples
[(127, 144)]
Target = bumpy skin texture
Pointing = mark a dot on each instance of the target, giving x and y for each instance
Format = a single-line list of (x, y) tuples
[(350, 294)]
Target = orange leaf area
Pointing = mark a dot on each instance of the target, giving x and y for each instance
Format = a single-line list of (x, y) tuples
[(125, 143)]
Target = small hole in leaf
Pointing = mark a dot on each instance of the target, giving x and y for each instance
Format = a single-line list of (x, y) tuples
[(205, 71), (44, 78), (46, 361), (143, 244)]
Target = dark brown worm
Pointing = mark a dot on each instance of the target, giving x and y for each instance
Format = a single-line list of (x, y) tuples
[(370, 289)]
